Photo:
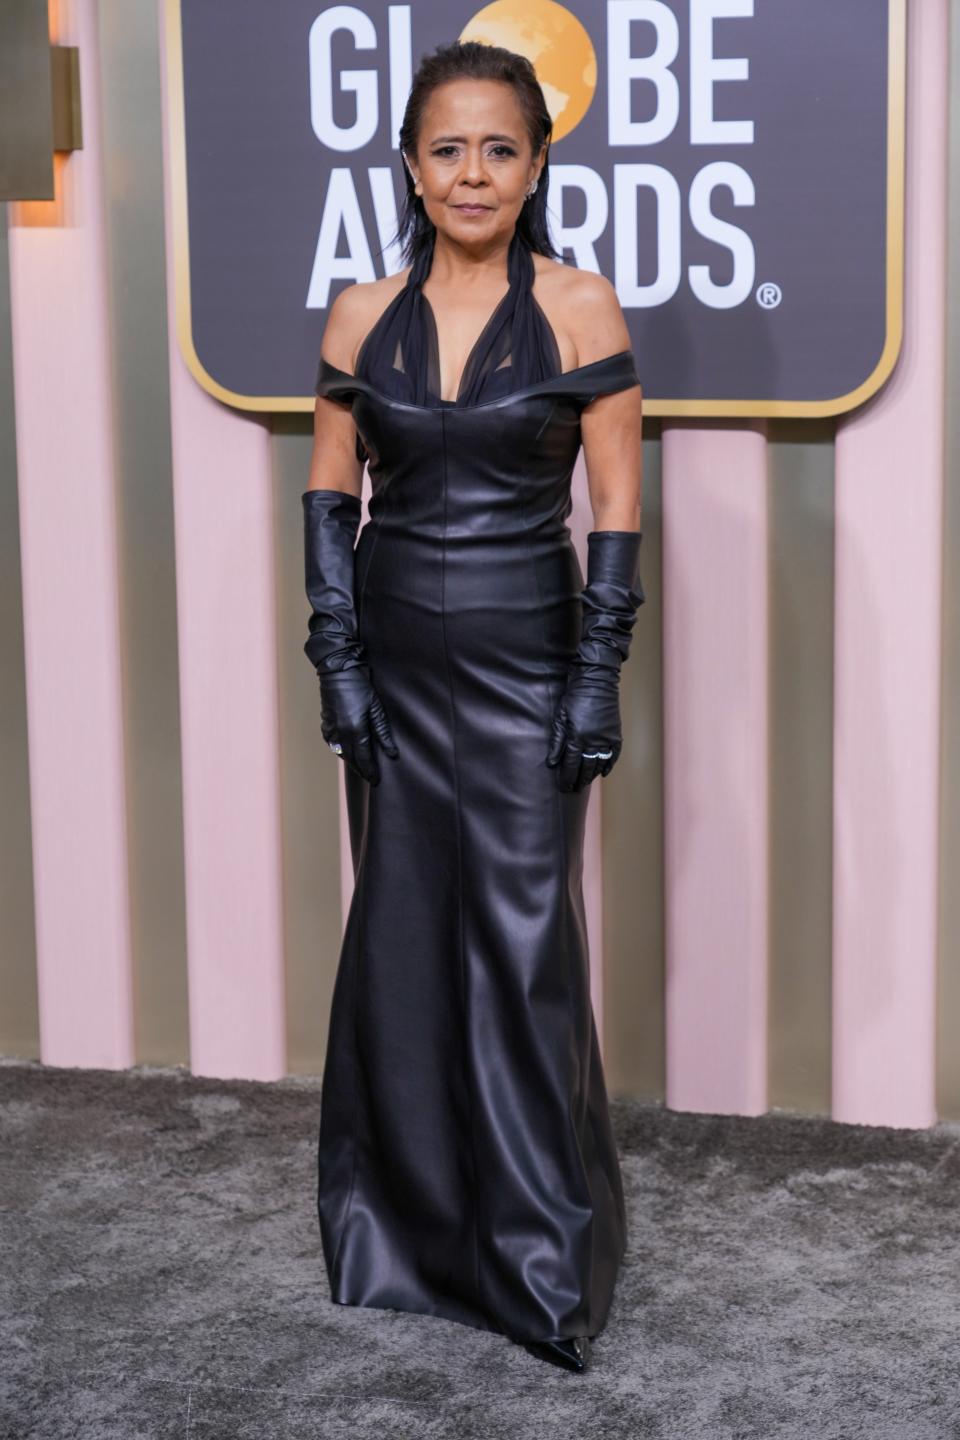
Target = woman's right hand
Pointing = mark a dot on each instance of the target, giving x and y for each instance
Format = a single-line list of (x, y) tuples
[(352, 716)]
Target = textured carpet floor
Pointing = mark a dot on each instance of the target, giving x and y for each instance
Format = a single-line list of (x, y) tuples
[(162, 1277)]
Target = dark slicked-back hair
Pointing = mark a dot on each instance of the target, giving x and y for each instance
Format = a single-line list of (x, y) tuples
[(470, 60)]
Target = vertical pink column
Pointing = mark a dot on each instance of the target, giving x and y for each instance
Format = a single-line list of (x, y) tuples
[(65, 467), (715, 766), (889, 486), (228, 696)]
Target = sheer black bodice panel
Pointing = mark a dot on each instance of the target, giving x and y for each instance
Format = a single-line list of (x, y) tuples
[(400, 356)]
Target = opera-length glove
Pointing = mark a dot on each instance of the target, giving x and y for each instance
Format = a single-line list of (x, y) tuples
[(586, 738), (351, 712)]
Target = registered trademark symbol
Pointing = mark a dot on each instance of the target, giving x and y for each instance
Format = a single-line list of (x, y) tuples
[(769, 295)]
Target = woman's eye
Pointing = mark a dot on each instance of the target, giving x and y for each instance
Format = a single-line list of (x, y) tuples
[(501, 151)]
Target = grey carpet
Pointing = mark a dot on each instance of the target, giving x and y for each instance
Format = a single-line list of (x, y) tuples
[(162, 1277)]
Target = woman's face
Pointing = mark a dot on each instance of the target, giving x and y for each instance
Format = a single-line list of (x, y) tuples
[(473, 151)]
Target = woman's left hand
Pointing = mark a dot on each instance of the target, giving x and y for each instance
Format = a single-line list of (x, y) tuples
[(587, 738)]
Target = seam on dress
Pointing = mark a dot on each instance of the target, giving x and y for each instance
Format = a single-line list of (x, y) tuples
[(554, 700), (377, 523), (549, 416), (358, 960), (366, 569), (456, 784)]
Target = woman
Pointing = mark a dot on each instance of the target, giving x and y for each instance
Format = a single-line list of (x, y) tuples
[(469, 682)]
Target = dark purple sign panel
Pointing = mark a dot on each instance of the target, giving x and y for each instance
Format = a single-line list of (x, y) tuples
[(735, 167)]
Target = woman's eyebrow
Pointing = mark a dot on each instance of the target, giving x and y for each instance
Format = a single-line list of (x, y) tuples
[(438, 138)]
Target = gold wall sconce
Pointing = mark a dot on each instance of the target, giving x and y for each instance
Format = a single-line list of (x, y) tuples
[(39, 101)]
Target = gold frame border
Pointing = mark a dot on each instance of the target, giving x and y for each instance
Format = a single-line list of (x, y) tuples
[(896, 120)]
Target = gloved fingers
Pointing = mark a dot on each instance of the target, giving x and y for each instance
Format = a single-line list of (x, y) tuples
[(347, 719), (340, 748), (568, 774), (589, 769), (381, 726), (607, 765), (351, 742), (599, 756), (558, 736), (358, 752)]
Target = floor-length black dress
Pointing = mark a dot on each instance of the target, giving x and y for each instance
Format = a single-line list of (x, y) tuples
[(467, 1167)]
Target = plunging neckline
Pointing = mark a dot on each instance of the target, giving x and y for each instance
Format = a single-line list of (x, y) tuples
[(496, 346), (474, 348)]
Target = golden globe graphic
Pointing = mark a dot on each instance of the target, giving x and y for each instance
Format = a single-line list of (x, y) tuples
[(556, 43)]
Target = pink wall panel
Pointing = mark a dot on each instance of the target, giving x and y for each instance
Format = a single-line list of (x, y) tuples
[(715, 766), (226, 607), (889, 497), (67, 501)]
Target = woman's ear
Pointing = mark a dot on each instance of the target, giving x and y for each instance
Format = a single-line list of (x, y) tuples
[(409, 167)]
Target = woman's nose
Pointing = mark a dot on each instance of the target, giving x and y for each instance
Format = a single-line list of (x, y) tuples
[(473, 166)]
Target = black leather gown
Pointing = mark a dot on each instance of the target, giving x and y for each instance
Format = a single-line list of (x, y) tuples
[(467, 1167)]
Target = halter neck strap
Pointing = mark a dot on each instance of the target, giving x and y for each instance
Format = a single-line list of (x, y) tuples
[(515, 348)]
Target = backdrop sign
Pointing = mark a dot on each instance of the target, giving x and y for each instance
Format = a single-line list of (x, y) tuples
[(735, 167)]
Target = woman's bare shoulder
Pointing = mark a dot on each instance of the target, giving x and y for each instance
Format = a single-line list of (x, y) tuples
[(583, 306), (352, 315)]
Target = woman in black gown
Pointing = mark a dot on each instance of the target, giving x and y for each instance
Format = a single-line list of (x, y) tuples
[(469, 681)]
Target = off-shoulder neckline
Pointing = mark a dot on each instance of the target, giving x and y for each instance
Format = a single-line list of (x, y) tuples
[(448, 409)]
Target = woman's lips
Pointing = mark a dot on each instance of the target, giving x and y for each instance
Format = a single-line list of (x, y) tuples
[(472, 209)]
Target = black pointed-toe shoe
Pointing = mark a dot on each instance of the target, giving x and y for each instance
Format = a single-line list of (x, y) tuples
[(572, 1354)]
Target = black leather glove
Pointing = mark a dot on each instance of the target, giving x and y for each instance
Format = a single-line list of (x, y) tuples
[(587, 739), (351, 712)]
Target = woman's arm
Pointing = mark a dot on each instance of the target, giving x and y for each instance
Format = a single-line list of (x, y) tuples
[(334, 464), (611, 425)]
